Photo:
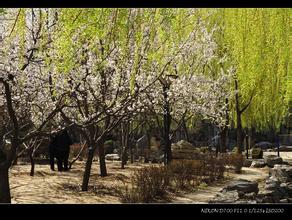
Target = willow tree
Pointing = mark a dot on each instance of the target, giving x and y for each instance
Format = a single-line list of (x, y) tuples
[(256, 41)]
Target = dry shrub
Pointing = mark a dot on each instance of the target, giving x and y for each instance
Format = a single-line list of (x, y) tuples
[(148, 184), (185, 173), (235, 161), (213, 167)]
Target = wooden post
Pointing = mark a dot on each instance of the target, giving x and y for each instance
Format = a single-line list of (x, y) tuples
[(246, 145), (278, 144)]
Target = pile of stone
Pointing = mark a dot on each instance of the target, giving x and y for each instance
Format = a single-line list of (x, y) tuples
[(272, 160), (268, 160), (240, 191), (285, 148), (183, 150), (278, 187), (112, 157), (260, 163), (257, 153)]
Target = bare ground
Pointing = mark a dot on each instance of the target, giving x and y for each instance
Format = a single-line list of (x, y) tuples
[(65, 188)]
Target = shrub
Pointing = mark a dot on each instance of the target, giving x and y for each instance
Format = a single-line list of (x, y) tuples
[(256, 153), (150, 183), (185, 173), (234, 160), (147, 185), (204, 149), (214, 167)]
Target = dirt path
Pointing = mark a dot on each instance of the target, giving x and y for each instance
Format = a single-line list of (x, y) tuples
[(205, 195), (252, 174)]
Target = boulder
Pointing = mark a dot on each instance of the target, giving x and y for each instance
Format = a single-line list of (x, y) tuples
[(242, 186), (234, 197), (269, 196), (247, 162), (182, 145), (226, 197), (258, 164), (264, 145), (282, 172), (184, 150), (271, 160), (112, 157), (272, 184), (284, 201), (287, 188), (285, 148), (257, 153)]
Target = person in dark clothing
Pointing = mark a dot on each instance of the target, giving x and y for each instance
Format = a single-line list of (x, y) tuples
[(59, 148)]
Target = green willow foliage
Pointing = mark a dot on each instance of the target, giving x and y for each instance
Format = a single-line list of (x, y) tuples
[(258, 44)]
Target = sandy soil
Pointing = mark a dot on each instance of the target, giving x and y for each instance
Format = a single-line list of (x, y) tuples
[(65, 188)]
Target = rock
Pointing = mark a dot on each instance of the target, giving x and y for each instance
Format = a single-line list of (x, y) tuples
[(247, 162), (285, 148), (242, 186), (240, 201), (287, 188), (112, 157), (284, 201), (257, 153), (271, 160), (285, 162), (234, 197), (258, 164), (264, 145), (269, 196), (226, 197), (272, 184), (282, 172), (184, 150), (182, 145)]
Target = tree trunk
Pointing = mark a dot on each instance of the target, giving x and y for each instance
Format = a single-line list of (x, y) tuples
[(223, 135), (125, 143), (166, 124), (102, 164), (131, 152), (87, 171), (185, 130), (5, 196), (77, 157), (239, 140), (246, 145), (32, 163), (224, 132), (251, 134)]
